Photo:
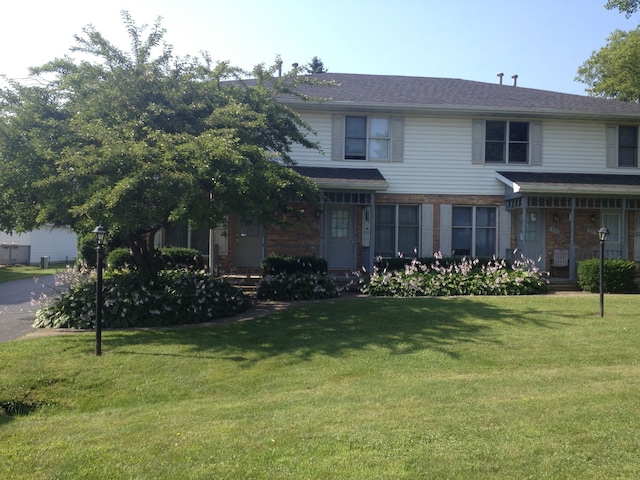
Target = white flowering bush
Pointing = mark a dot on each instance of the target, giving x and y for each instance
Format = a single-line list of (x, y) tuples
[(175, 297), (467, 277), (285, 286)]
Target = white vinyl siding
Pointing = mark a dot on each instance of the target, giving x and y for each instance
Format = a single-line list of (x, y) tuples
[(437, 157)]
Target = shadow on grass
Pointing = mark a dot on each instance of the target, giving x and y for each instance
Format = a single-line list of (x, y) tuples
[(334, 328)]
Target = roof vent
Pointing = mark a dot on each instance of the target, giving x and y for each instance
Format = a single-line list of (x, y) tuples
[(515, 80), (500, 75)]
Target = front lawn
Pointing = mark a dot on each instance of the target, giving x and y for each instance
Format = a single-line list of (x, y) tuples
[(465, 387), (9, 273)]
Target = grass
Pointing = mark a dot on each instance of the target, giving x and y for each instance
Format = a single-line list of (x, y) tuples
[(497, 387), (9, 273)]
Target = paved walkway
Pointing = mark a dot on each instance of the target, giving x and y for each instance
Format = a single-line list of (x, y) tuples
[(16, 312)]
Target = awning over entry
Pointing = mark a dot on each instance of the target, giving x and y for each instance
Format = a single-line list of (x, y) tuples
[(545, 183), (333, 178)]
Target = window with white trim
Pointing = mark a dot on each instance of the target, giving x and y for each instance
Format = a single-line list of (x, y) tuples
[(506, 142), (374, 138), (366, 138), (397, 230), (627, 146), (474, 231)]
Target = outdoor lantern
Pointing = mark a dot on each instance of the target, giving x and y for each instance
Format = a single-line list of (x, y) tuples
[(101, 235), (603, 233)]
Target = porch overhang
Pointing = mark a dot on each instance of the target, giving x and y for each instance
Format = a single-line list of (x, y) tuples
[(546, 183), (334, 178)]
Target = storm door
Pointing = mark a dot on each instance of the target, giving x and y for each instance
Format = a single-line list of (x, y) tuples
[(340, 236), (531, 240), (249, 243)]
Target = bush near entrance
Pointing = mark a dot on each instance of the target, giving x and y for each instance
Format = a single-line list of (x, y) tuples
[(287, 278), (619, 276)]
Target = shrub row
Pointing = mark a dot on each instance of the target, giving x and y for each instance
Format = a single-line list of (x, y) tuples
[(296, 286), (277, 264), (466, 277), (619, 276), (168, 258), (176, 297), (399, 263), (286, 278)]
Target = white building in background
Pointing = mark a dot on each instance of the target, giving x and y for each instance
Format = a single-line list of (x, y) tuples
[(53, 243)]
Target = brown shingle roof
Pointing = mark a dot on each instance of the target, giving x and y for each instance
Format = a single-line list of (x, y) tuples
[(465, 96)]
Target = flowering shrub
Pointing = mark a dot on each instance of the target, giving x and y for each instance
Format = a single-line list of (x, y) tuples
[(467, 277), (175, 297), (296, 286)]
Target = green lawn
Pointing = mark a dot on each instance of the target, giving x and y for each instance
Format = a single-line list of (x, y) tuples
[(9, 273), (497, 387)]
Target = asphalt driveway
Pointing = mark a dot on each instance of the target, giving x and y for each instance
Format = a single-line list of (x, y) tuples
[(16, 312)]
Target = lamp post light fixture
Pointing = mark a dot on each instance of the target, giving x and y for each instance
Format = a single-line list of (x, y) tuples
[(101, 235), (603, 234)]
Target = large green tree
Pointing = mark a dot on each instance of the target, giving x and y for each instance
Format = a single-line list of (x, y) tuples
[(139, 140), (628, 7), (614, 70)]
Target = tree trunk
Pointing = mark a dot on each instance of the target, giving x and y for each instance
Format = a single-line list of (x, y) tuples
[(144, 255)]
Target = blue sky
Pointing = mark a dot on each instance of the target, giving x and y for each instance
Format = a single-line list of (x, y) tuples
[(542, 41)]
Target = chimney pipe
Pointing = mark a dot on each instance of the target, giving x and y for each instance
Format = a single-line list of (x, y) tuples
[(500, 75), (515, 80)]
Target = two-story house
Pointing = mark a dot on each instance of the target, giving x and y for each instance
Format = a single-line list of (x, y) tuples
[(413, 165)]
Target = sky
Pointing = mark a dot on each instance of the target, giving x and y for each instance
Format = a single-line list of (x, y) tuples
[(544, 42)]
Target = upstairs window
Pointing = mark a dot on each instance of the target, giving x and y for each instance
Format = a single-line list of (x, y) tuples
[(367, 138), (622, 146), (627, 146), (506, 142)]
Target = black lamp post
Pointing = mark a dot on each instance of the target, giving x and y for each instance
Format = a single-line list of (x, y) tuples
[(101, 235), (603, 234)]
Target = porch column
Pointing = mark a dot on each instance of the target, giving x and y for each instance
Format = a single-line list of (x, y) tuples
[(572, 245), (372, 232), (523, 228), (624, 248)]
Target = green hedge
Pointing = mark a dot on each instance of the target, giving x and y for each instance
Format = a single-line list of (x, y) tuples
[(289, 277), (619, 276), (296, 286), (276, 264), (169, 258)]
